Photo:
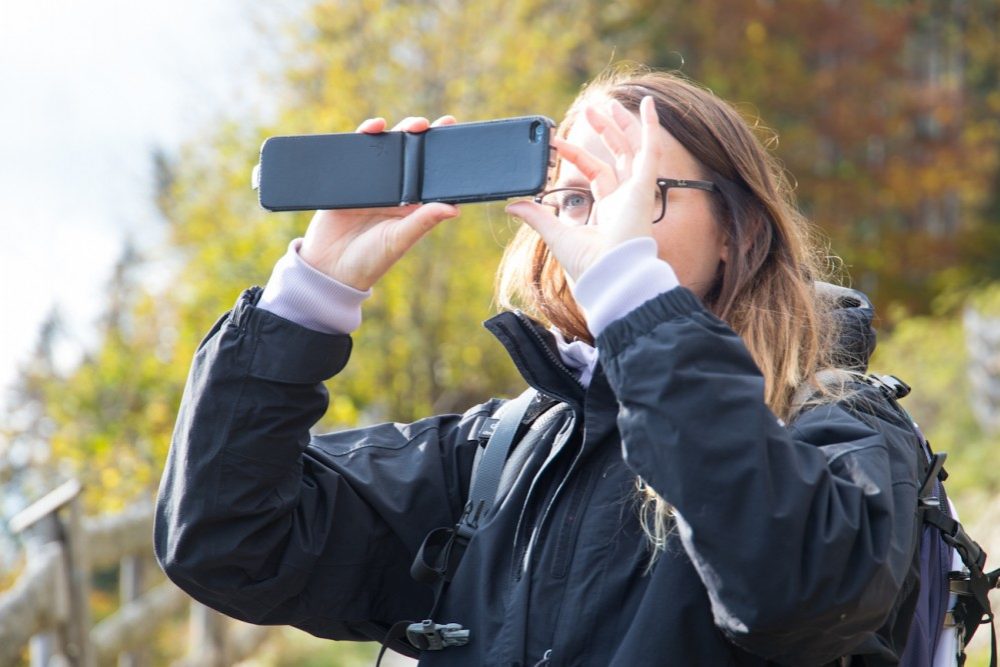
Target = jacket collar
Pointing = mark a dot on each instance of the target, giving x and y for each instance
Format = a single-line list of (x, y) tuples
[(533, 350), (535, 354)]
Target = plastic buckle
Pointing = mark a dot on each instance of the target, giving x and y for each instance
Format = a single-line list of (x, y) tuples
[(430, 636), (489, 426), (959, 583), (898, 388)]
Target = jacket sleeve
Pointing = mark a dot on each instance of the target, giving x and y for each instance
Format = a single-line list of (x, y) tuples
[(802, 535), (263, 522)]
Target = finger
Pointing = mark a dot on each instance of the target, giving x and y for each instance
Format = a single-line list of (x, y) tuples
[(627, 123), (382, 212), (444, 120), (372, 126), (412, 124), (598, 173), (648, 157), (408, 230), (614, 139)]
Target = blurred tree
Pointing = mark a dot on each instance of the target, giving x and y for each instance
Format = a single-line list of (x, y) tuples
[(420, 349), (981, 321), (25, 432), (930, 354), (887, 113), (900, 178), (113, 412)]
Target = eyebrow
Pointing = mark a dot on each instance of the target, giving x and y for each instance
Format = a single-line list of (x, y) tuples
[(572, 183)]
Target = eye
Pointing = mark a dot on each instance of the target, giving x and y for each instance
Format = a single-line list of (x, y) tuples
[(573, 200)]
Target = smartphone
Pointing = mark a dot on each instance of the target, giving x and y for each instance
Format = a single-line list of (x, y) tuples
[(466, 162)]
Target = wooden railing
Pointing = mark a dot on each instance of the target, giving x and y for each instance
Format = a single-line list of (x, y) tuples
[(48, 608)]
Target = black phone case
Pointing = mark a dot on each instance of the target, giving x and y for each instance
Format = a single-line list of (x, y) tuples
[(467, 162)]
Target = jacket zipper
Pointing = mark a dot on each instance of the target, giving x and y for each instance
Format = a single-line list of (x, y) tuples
[(552, 356), (558, 363), (562, 436), (526, 561)]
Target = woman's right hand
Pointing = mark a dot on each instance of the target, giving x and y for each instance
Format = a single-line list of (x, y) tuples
[(357, 246)]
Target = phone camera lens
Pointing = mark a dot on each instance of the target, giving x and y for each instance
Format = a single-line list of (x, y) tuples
[(537, 132)]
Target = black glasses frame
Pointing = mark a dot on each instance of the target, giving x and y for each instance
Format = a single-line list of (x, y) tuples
[(663, 184)]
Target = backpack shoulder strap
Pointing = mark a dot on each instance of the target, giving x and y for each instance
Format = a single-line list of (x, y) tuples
[(488, 469), (442, 549)]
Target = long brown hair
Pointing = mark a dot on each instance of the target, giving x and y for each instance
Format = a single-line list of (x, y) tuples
[(764, 289)]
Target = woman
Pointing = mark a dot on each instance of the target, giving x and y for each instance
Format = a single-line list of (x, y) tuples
[(693, 494)]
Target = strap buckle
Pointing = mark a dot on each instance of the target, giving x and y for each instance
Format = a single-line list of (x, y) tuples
[(430, 636), (934, 471), (891, 385)]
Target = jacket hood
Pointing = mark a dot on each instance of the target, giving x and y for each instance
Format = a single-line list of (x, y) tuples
[(853, 315)]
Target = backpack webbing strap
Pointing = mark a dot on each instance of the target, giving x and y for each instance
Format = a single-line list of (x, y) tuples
[(442, 549), (954, 534), (486, 478)]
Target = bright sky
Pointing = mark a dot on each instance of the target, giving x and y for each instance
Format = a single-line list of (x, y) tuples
[(87, 90)]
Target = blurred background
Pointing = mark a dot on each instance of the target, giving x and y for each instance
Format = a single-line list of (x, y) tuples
[(128, 135)]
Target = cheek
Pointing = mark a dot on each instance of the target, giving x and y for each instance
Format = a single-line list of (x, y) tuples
[(694, 249)]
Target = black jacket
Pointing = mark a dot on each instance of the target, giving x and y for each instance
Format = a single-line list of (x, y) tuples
[(795, 544)]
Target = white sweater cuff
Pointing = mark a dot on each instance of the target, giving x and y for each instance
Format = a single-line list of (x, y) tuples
[(310, 298), (622, 280)]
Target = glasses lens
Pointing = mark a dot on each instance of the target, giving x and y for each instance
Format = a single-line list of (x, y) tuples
[(573, 205), (660, 204)]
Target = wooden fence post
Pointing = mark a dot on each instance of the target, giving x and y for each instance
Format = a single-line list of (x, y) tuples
[(47, 647), (79, 649), (131, 581), (40, 522), (207, 637), (48, 608)]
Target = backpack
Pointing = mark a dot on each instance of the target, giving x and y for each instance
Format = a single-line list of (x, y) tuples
[(947, 600), (955, 600)]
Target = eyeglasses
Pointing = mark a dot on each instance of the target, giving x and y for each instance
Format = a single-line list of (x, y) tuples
[(574, 204)]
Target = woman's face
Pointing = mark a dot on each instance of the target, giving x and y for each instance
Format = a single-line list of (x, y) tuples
[(688, 237)]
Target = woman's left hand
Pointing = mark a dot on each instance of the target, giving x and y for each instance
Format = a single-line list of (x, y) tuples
[(624, 192)]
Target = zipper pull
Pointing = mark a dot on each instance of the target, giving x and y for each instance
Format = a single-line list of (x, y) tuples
[(546, 659)]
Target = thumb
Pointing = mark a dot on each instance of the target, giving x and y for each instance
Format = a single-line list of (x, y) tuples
[(537, 217), (410, 229)]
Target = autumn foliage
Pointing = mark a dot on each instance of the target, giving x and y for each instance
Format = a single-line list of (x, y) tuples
[(884, 112)]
